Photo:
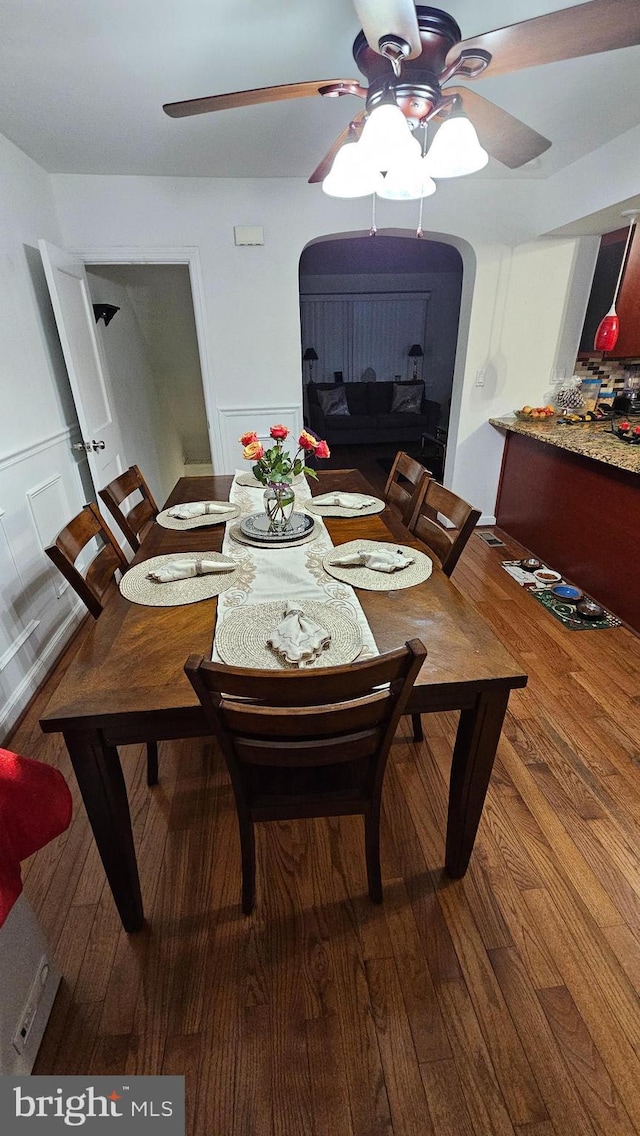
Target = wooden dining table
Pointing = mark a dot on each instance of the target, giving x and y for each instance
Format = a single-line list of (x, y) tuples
[(126, 683)]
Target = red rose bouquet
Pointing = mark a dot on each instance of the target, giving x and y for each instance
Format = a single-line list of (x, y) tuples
[(275, 466)]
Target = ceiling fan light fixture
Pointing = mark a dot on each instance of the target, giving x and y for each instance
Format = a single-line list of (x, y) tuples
[(455, 150), (352, 174), (386, 138), (407, 181)]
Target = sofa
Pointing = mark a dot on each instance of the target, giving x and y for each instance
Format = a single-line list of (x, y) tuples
[(358, 413)]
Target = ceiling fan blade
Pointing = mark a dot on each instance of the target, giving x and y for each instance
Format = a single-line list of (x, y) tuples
[(352, 130), (263, 95), (384, 17), (504, 137), (588, 29)]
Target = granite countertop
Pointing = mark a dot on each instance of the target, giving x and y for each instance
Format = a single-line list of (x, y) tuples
[(591, 440)]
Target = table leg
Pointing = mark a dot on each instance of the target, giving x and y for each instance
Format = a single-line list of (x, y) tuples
[(99, 775), (473, 756)]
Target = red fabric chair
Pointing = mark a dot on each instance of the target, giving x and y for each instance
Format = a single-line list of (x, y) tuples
[(35, 807)]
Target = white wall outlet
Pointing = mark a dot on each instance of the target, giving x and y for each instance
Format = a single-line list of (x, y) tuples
[(480, 378)]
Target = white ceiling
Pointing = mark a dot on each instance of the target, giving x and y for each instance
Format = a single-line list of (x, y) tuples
[(82, 83)]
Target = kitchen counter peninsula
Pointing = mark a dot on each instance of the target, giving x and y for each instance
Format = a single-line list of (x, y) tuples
[(590, 439), (571, 495)]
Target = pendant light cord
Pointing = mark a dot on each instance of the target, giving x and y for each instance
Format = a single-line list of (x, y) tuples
[(625, 255)]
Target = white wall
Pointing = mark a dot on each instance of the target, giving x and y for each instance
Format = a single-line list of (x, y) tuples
[(251, 294), (147, 427), (40, 479)]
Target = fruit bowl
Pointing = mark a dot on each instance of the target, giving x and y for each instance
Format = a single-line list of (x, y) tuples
[(535, 414)]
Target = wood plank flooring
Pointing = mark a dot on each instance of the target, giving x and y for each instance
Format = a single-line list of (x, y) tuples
[(504, 1003)]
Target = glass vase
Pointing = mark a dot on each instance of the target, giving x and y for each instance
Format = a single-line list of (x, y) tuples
[(279, 498)]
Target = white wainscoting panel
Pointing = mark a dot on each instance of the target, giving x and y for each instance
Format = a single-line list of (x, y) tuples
[(236, 420), (40, 490)]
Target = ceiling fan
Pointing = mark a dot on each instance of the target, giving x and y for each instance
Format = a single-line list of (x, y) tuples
[(410, 55)]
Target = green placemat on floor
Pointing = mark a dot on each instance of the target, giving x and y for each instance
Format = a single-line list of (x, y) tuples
[(564, 611), (568, 615)]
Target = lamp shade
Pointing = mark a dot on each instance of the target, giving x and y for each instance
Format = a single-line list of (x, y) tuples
[(455, 150), (310, 355), (407, 181), (415, 351), (352, 173), (608, 330), (386, 139)]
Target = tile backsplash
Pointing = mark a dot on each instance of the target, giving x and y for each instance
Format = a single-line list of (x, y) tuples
[(615, 373)]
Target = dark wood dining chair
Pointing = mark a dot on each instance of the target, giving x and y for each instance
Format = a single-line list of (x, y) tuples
[(95, 582), (404, 480), (446, 543), (137, 520), (307, 743)]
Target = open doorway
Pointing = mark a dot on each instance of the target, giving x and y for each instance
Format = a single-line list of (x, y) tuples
[(150, 348), (378, 315)]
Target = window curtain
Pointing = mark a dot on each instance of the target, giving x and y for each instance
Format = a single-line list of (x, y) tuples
[(362, 333)]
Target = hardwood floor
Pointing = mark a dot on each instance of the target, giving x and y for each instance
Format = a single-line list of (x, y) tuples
[(504, 1003)]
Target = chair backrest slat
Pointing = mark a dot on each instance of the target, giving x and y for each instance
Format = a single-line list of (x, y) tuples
[(403, 483), (94, 583), (448, 544), (136, 520)]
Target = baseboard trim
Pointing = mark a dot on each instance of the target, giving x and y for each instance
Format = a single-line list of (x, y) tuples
[(486, 519)]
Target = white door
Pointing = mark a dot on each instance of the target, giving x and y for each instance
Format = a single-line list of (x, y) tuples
[(88, 374)]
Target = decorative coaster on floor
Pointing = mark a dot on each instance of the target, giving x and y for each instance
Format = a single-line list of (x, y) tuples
[(236, 533), (567, 613), (324, 509), (205, 520), (368, 578), (136, 586), (241, 638)]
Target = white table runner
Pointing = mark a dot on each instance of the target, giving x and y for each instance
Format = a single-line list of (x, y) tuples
[(286, 573)]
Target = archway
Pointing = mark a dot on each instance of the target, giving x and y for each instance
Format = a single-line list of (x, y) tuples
[(364, 304)]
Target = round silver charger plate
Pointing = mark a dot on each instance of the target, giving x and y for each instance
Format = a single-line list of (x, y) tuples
[(241, 638), (205, 520), (136, 586), (326, 510), (257, 526), (368, 578), (236, 533)]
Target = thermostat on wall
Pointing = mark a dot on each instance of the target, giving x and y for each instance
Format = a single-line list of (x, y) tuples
[(248, 234)]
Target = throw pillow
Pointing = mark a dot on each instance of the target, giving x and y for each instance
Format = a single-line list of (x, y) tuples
[(407, 397), (333, 401)]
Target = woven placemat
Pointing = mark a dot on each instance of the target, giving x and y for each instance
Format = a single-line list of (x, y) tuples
[(326, 510), (371, 580), (204, 521), (136, 586), (568, 615), (237, 534), (252, 482), (241, 638)]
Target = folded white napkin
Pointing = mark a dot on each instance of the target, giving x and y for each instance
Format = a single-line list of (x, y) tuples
[(297, 638), (344, 500), (378, 559), (198, 509), (185, 569)]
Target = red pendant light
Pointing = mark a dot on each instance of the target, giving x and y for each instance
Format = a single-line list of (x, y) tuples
[(609, 327)]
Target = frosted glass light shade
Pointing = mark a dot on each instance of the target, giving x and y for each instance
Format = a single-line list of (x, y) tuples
[(351, 174), (407, 181), (455, 150), (387, 137)]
